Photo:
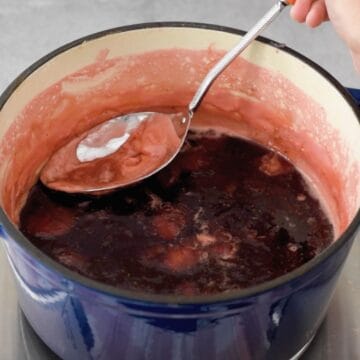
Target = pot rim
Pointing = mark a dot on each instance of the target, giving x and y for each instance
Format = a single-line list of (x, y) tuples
[(173, 300)]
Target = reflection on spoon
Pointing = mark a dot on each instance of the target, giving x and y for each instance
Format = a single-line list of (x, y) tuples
[(107, 138)]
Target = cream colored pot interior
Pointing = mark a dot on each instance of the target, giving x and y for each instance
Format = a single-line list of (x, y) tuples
[(271, 97)]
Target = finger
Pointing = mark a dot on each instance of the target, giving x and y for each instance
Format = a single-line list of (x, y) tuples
[(300, 10), (317, 14)]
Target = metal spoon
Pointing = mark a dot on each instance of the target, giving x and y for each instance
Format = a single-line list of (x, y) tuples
[(98, 143)]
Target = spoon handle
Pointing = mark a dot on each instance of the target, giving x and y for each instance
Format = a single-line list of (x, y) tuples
[(222, 64)]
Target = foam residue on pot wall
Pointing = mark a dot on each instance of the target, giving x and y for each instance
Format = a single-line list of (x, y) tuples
[(263, 106)]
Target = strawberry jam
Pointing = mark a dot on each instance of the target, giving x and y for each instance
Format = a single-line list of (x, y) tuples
[(225, 214)]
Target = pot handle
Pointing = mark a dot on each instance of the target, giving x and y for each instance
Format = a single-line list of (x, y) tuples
[(1, 232), (355, 93)]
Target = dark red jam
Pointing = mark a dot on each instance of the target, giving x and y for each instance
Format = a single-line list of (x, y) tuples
[(226, 214)]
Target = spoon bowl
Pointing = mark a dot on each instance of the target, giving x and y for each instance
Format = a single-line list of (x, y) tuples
[(140, 143)]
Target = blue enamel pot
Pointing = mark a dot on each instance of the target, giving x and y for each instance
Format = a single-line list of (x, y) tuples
[(79, 318)]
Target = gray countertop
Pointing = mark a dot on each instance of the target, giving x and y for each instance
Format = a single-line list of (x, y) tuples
[(31, 28)]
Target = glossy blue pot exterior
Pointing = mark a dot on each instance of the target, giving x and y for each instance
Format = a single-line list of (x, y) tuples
[(80, 321)]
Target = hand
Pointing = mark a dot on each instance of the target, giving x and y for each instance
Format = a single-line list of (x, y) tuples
[(343, 14)]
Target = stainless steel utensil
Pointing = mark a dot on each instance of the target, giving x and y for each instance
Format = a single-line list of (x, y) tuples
[(98, 143)]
